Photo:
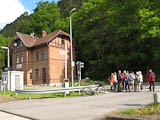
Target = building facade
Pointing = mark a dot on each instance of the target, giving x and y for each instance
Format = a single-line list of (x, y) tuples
[(41, 59)]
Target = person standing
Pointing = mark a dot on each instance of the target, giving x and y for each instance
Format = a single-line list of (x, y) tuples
[(111, 80), (119, 78), (115, 80), (151, 79), (141, 79)]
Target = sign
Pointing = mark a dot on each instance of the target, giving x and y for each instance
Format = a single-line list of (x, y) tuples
[(4, 80), (62, 52), (7, 68), (73, 63), (19, 66), (82, 64)]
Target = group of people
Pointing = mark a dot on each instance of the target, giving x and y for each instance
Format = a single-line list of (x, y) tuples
[(130, 81)]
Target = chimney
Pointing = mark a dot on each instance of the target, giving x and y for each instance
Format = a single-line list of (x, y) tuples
[(44, 33)]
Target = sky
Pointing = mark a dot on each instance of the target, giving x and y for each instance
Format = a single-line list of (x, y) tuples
[(11, 9)]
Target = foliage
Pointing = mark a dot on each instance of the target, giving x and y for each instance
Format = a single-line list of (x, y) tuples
[(3, 56), (113, 35), (46, 17), (66, 5)]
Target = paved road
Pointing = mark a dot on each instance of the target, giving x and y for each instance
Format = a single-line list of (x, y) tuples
[(79, 108)]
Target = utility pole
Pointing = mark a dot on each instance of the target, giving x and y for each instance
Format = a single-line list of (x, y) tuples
[(66, 61), (72, 63)]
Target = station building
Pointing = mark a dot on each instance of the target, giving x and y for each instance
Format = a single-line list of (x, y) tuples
[(41, 59)]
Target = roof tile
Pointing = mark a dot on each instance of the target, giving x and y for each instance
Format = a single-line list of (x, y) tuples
[(30, 41)]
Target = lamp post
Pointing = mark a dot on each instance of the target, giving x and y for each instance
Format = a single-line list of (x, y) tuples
[(7, 48), (72, 77)]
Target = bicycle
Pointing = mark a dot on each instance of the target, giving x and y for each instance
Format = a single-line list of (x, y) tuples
[(100, 89)]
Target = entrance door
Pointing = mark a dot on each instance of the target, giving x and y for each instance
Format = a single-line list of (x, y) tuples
[(44, 75), (17, 81)]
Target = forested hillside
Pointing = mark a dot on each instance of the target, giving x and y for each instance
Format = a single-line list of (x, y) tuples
[(110, 35)]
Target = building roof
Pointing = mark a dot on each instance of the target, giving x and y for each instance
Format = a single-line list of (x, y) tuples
[(31, 41)]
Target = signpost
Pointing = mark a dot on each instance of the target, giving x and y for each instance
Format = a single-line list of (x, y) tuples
[(4, 82), (7, 68), (80, 65)]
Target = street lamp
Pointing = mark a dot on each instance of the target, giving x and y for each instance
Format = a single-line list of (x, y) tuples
[(7, 48), (72, 78)]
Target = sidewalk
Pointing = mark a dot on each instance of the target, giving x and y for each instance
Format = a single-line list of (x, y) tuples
[(7, 116)]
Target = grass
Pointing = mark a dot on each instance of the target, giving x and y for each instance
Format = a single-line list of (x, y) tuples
[(11, 96), (153, 109)]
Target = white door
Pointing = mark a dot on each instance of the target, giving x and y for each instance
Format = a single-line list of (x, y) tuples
[(17, 81)]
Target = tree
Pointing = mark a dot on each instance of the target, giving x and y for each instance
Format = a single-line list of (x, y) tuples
[(113, 35), (3, 42), (66, 5), (46, 17)]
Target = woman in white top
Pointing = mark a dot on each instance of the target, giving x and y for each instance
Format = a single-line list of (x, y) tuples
[(115, 80), (141, 79)]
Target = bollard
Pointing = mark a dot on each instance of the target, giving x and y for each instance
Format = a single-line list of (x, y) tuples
[(30, 97), (156, 98)]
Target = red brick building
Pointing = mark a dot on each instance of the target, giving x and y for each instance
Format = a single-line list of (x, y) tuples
[(41, 59)]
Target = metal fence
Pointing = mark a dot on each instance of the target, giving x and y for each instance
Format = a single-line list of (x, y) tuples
[(55, 90)]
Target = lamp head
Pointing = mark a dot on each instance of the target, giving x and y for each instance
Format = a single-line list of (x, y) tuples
[(71, 11)]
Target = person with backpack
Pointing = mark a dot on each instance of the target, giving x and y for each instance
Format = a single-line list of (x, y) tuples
[(111, 80), (125, 79), (131, 78), (151, 79)]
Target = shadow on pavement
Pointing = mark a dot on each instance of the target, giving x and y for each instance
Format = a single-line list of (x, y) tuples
[(132, 104)]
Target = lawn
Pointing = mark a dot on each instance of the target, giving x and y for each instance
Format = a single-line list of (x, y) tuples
[(150, 110), (11, 96)]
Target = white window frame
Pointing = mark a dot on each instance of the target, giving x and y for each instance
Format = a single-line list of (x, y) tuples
[(22, 57), (17, 59)]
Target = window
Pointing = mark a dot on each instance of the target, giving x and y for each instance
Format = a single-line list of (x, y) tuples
[(20, 44), (44, 75), (22, 57), (30, 76), (17, 58), (37, 74), (17, 45), (42, 55), (37, 56), (62, 42)]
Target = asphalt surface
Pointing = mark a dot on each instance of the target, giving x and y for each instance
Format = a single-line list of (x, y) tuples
[(78, 108)]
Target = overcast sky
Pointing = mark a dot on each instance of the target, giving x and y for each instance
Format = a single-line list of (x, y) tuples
[(11, 9)]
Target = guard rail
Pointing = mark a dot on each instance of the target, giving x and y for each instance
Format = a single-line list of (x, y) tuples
[(55, 90)]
